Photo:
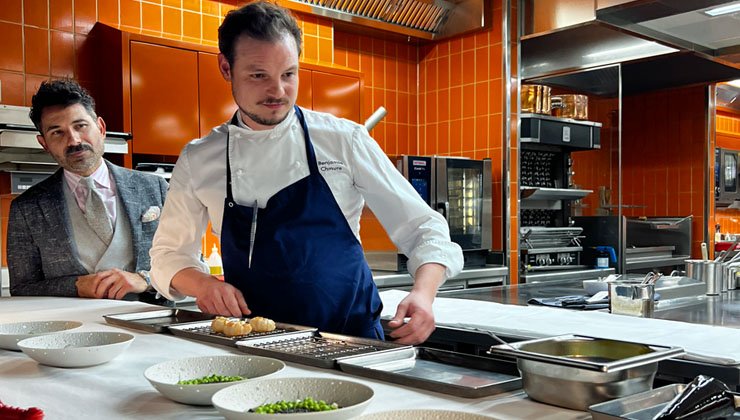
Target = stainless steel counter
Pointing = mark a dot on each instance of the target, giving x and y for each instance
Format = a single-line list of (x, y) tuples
[(721, 310), (469, 278)]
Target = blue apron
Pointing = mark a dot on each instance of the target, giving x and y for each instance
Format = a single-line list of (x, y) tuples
[(307, 266)]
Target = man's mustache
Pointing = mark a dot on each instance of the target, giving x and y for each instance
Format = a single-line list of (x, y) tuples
[(79, 148)]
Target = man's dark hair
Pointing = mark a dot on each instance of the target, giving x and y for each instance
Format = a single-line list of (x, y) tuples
[(64, 92), (260, 20)]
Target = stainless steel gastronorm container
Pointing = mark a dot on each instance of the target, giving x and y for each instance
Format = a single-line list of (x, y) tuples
[(577, 371)]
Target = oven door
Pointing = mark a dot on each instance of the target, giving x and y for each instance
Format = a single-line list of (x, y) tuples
[(726, 177), (463, 196)]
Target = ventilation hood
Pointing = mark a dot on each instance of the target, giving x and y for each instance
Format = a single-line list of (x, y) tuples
[(419, 19), (20, 151), (659, 43)]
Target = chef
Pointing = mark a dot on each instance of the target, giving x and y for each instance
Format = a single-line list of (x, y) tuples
[(284, 188)]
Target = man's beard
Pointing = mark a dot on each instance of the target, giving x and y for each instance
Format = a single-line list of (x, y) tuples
[(82, 165), (264, 121)]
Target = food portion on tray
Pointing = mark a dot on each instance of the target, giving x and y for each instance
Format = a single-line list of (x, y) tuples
[(228, 331)]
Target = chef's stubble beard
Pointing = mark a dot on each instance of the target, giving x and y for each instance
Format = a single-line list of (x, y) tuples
[(263, 121)]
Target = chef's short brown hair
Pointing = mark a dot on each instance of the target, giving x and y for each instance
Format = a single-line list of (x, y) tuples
[(261, 20)]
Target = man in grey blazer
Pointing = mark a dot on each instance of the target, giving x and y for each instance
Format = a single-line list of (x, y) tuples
[(86, 230)]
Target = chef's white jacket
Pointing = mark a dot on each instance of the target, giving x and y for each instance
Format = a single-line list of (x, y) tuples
[(264, 162)]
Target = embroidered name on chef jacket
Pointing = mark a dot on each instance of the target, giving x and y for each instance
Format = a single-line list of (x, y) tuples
[(331, 165)]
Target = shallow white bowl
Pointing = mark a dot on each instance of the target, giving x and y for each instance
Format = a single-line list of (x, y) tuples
[(424, 415), (76, 349), (164, 376), (234, 402), (594, 286), (11, 334)]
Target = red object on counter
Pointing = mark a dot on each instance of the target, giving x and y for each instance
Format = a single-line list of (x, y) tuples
[(8, 412), (724, 246)]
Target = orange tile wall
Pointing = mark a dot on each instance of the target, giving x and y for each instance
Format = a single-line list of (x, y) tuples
[(442, 99), (663, 156), (728, 137), (461, 101)]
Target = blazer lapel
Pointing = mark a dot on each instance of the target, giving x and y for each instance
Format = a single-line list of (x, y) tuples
[(126, 190), (53, 206)]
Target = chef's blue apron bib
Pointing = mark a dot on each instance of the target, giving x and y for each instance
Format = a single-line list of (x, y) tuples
[(307, 266)]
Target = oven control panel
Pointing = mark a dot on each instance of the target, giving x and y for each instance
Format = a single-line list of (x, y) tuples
[(550, 260)]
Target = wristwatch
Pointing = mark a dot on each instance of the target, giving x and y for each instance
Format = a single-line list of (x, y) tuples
[(145, 275)]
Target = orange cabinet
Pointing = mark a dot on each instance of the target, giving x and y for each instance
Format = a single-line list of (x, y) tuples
[(164, 98), (216, 104), (304, 89), (336, 94)]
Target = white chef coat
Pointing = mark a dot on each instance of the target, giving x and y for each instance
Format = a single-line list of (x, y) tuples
[(266, 161)]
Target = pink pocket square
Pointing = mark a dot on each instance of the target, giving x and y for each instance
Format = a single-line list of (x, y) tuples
[(151, 214)]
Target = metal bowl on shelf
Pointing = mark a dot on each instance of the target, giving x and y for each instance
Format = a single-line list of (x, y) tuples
[(577, 371)]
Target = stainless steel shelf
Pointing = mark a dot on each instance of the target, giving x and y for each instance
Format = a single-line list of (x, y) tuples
[(655, 262), (542, 193)]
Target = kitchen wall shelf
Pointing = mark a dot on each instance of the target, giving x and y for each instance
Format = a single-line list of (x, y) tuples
[(542, 193)]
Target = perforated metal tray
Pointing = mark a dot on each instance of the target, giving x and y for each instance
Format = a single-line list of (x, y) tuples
[(155, 321), (314, 348), (443, 371), (201, 331)]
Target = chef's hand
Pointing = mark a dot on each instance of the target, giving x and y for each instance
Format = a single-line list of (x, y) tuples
[(212, 295), (111, 284), (221, 298), (418, 307)]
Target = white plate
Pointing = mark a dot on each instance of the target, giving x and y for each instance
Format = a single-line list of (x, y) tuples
[(424, 415), (164, 376), (235, 401), (11, 334), (76, 349)]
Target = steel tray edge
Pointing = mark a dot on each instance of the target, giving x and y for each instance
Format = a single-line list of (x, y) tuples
[(346, 365), (178, 330), (125, 319)]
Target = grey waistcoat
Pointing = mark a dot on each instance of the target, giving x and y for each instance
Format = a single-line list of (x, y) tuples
[(91, 251)]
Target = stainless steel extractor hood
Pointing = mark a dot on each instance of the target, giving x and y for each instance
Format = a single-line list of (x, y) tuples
[(419, 19), (20, 151), (659, 44)]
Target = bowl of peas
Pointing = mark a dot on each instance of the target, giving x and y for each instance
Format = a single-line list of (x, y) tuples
[(195, 380), (300, 398)]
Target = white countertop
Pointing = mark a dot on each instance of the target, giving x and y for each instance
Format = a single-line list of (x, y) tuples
[(118, 389)]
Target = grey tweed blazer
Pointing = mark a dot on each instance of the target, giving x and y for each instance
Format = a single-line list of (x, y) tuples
[(42, 259)]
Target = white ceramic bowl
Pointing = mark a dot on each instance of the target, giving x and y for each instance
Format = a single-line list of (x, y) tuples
[(424, 415), (164, 376), (11, 334), (235, 401), (594, 286), (76, 349)]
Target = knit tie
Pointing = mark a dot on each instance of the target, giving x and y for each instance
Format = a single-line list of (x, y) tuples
[(95, 212)]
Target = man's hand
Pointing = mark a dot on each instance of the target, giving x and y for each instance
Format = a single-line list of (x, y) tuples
[(418, 307), (212, 295), (111, 284)]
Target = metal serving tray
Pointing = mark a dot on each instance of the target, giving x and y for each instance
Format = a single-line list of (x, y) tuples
[(589, 353), (443, 371), (201, 331), (156, 321), (642, 406), (314, 348)]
